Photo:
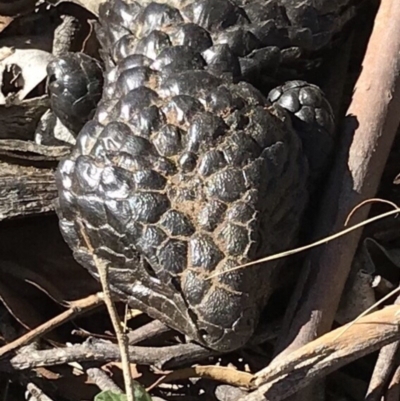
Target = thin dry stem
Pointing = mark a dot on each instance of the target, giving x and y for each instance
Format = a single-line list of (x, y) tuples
[(77, 308), (102, 269), (315, 244), (220, 374)]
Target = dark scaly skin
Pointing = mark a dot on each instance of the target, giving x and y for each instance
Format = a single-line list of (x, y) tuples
[(309, 111), (75, 86), (187, 170)]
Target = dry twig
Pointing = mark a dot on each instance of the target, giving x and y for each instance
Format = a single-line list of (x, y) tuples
[(102, 269), (285, 376), (77, 308), (100, 351), (102, 380), (37, 393), (147, 332), (393, 392), (165, 358), (220, 374), (383, 369), (371, 124)]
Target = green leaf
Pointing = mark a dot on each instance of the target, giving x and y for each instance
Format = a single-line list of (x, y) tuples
[(139, 394), (110, 396)]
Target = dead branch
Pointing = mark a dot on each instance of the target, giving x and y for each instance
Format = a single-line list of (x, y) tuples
[(165, 358), (148, 331), (102, 380), (101, 351), (37, 393), (287, 375), (368, 134), (282, 378), (383, 369), (220, 374), (77, 308), (393, 391)]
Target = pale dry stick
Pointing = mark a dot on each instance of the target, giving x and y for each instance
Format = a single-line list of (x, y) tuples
[(286, 376), (393, 391), (371, 125), (391, 293), (76, 308), (220, 374), (116, 322), (146, 332), (242, 379), (167, 357), (309, 246), (371, 308), (102, 380), (383, 369), (37, 393)]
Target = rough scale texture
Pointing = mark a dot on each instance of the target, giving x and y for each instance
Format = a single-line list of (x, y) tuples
[(186, 169), (75, 85)]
